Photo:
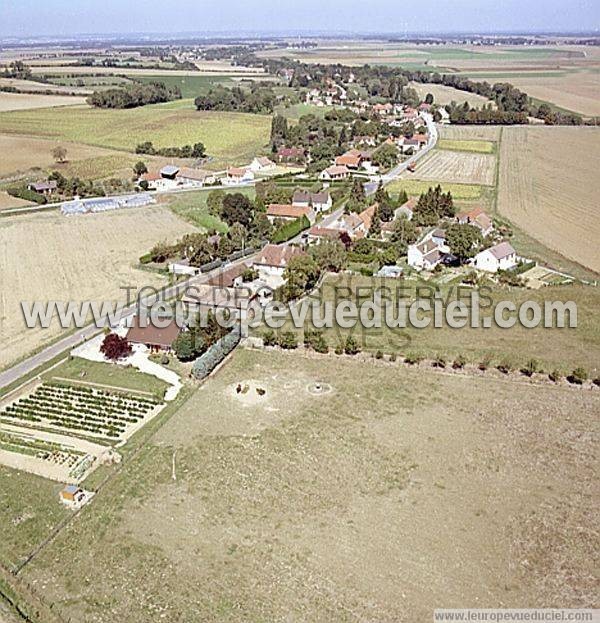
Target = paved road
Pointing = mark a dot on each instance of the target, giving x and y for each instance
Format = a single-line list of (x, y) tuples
[(10, 375), (371, 187)]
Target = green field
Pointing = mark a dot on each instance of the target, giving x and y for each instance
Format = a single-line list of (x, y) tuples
[(229, 137), (192, 207), (191, 86), (85, 371), (480, 147), (461, 192), (554, 348)]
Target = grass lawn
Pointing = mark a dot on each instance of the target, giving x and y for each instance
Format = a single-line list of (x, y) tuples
[(554, 348), (78, 369), (465, 192), (231, 138), (192, 207), (29, 510), (480, 147), (191, 86)]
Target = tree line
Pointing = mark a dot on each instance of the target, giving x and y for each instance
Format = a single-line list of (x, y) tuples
[(134, 95)]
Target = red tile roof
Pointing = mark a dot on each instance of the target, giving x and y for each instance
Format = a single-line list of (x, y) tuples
[(287, 211)]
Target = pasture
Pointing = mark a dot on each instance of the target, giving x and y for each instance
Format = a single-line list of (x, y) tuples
[(549, 187), (460, 167), (231, 138), (47, 257), (297, 503)]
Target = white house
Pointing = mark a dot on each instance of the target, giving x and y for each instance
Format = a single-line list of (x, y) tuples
[(406, 209), (426, 255), (319, 202), (499, 257), (334, 172), (286, 212), (237, 175), (262, 165)]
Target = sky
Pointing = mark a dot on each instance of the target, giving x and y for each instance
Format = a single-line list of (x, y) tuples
[(23, 18)]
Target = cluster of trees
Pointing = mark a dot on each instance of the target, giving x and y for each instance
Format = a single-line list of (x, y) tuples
[(464, 241), (133, 95), (487, 115), (191, 343), (257, 99), (432, 206), (197, 150), (17, 69)]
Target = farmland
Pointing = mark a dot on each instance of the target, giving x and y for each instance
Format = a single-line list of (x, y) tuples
[(48, 257), (298, 503), (479, 147), (229, 137), (470, 132), (443, 95), (27, 101), (465, 192), (457, 167), (548, 186)]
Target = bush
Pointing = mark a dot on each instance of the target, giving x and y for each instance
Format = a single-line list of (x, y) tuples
[(484, 364), (115, 347), (269, 338), (530, 368), (290, 230), (393, 357), (146, 259), (459, 363), (439, 361), (555, 376), (578, 376), (339, 350), (378, 355), (597, 381), (505, 366), (413, 358), (351, 346), (22, 192), (288, 340)]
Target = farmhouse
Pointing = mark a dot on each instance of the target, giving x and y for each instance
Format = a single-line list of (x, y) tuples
[(237, 175), (229, 278), (262, 165), (169, 172), (319, 202), (156, 181), (273, 260), (478, 218), (43, 188), (334, 172), (288, 212), (351, 159), (317, 234), (195, 177), (153, 337), (499, 257)]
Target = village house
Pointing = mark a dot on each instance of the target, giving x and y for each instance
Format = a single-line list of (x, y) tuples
[(288, 212), (382, 110), (499, 257), (262, 165), (291, 155), (407, 209), (426, 255), (43, 188), (156, 338), (195, 177), (156, 181), (407, 145), (478, 218), (334, 172), (320, 201), (238, 175), (204, 298), (182, 267), (355, 225), (272, 261), (352, 159), (318, 234)]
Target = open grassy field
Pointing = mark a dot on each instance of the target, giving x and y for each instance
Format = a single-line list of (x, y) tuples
[(228, 137), (351, 504), (413, 187), (457, 166), (469, 133), (479, 147), (549, 187), (564, 349), (27, 101), (47, 256), (443, 95), (192, 208)]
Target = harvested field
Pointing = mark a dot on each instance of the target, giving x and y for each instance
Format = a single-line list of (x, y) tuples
[(300, 508), (232, 138), (47, 256), (42, 87), (26, 101), (455, 166), (470, 132), (549, 187), (8, 201)]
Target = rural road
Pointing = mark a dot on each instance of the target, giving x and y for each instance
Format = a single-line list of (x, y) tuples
[(10, 375), (371, 187)]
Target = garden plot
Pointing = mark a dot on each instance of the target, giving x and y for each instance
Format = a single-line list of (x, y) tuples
[(62, 431), (455, 166)]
